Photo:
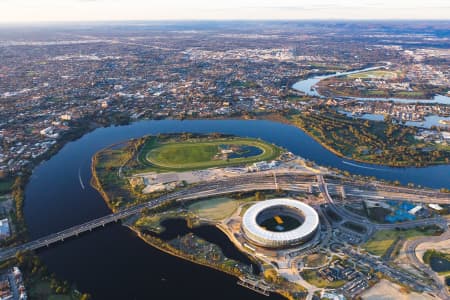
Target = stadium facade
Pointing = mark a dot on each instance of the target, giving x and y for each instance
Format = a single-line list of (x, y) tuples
[(263, 237)]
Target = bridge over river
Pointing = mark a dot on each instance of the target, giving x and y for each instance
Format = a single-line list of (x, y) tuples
[(288, 181)]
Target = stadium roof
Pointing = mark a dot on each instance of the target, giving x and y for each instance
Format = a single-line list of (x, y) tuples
[(311, 220)]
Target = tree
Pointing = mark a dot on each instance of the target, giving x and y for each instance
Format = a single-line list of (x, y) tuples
[(85, 297), (259, 196)]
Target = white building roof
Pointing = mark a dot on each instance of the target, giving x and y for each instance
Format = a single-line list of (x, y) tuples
[(435, 206), (415, 209), (310, 224)]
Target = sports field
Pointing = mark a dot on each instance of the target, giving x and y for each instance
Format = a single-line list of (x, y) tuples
[(200, 154), (280, 223), (376, 74)]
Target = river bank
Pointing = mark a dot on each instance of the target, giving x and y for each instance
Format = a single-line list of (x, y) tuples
[(370, 162), (165, 248), (284, 119), (170, 245), (55, 200), (308, 87), (152, 241), (369, 142)]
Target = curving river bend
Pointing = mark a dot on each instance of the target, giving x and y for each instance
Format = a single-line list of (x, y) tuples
[(112, 263), (308, 86)]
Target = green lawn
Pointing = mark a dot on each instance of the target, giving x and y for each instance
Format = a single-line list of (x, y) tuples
[(200, 154), (42, 290), (412, 94), (383, 239), (244, 209), (216, 209), (313, 278), (171, 153), (384, 74), (180, 154), (6, 185), (153, 222), (315, 260)]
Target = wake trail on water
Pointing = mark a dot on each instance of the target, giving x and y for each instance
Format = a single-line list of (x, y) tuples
[(362, 167), (80, 179)]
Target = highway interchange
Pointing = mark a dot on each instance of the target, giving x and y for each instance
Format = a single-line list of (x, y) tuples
[(294, 181)]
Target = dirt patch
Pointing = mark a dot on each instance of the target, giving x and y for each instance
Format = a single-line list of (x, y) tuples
[(442, 246), (386, 290)]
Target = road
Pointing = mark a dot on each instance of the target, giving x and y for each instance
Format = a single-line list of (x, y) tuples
[(378, 190), (439, 221), (289, 181), (208, 189), (412, 256), (440, 289), (380, 266)]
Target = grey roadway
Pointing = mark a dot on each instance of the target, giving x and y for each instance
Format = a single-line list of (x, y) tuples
[(412, 256), (289, 181), (206, 190), (441, 289)]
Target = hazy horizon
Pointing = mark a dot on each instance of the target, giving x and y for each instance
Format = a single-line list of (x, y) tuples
[(38, 11)]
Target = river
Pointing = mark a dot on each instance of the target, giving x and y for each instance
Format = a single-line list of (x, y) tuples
[(428, 122), (112, 263), (177, 227), (307, 86)]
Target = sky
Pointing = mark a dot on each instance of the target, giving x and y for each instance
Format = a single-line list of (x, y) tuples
[(19, 11)]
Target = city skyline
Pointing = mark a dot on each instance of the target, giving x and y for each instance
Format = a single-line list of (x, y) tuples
[(24, 11)]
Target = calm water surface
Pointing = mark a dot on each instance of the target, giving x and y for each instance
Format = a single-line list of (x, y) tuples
[(112, 263), (308, 86), (439, 264)]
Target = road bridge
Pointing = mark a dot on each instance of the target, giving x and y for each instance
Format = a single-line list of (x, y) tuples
[(249, 182), (200, 191)]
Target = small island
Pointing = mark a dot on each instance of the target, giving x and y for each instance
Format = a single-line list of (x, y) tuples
[(277, 222), (194, 229)]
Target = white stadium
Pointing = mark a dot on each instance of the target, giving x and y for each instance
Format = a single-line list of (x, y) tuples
[(280, 223)]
